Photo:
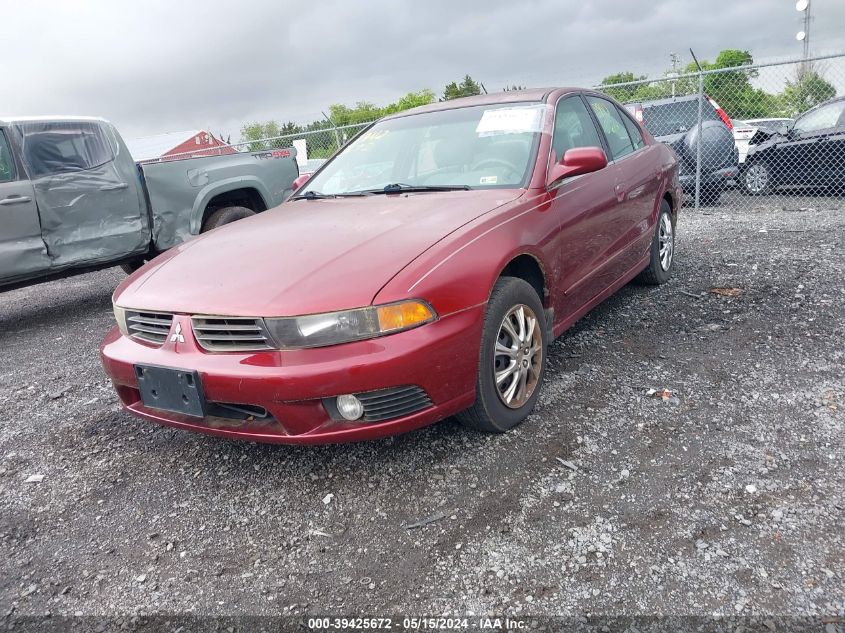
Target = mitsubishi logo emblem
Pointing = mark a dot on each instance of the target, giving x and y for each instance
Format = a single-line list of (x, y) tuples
[(177, 334)]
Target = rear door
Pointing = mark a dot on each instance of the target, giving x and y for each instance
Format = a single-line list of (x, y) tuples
[(22, 253), (88, 192)]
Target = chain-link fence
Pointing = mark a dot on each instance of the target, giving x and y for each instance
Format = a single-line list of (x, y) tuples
[(763, 134), (769, 133)]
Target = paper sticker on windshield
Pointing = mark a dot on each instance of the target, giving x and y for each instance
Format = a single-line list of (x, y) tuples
[(509, 121), (488, 180)]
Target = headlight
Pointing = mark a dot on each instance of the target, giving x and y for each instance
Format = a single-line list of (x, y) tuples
[(332, 328), (120, 317)]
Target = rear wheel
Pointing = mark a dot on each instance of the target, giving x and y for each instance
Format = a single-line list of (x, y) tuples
[(217, 218), (512, 359), (659, 268), (226, 215), (135, 264), (757, 179), (710, 194)]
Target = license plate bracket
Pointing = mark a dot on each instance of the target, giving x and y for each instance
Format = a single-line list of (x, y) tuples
[(168, 389)]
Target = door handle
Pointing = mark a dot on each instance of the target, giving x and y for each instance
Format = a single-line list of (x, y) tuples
[(122, 185), (621, 192), (15, 200)]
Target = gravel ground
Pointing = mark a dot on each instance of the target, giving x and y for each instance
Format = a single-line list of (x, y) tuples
[(724, 494)]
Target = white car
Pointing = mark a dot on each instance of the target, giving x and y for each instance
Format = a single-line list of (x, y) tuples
[(744, 131)]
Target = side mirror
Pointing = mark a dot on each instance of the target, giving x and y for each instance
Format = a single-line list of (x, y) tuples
[(785, 129), (577, 161), (301, 181)]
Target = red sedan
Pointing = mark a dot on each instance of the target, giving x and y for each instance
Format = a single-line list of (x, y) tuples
[(421, 273)]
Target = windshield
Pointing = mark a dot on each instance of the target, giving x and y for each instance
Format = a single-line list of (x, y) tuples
[(479, 147)]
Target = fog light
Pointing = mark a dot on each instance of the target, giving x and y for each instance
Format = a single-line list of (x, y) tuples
[(350, 407)]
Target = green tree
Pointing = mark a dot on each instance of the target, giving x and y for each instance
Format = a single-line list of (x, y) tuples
[(621, 93), (411, 100), (807, 90), (253, 132), (467, 88)]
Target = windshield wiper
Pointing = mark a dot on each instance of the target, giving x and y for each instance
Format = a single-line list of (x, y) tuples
[(311, 195), (398, 187), (316, 195)]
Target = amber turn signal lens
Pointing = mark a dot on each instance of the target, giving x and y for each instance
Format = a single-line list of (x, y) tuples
[(401, 316)]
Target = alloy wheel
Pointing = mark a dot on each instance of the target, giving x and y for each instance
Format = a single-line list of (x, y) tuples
[(666, 242), (518, 358), (756, 178)]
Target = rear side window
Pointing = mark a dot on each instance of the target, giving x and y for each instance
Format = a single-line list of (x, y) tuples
[(610, 120), (573, 127), (7, 163), (671, 118), (633, 130), (60, 148)]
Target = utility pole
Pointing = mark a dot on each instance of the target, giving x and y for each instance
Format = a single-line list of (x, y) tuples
[(673, 57), (804, 35)]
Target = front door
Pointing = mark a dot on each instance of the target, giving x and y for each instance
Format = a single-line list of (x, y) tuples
[(635, 169), (807, 158), (585, 206), (22, 252), (88, 191)]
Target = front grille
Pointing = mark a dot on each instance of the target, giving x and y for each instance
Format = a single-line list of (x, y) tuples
[(152, 327), (231, 334), (393, 403)]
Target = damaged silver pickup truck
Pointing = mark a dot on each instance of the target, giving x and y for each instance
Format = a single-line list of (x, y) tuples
[(72, 199)]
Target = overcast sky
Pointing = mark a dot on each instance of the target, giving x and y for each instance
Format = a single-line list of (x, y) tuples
[(170, 65)]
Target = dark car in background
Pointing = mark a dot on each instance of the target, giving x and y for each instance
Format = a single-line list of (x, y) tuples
[(809, 153), (674, 121)]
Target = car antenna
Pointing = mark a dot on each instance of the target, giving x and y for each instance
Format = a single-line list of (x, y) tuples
[(695, 59), (482, 87)]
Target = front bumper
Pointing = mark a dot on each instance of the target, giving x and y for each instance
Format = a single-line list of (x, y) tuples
[(441, 358)]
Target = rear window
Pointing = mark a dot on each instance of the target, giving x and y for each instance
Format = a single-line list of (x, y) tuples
[(51, 148), (672, 118)]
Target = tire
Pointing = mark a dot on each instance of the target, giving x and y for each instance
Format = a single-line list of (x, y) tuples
[(658, 270), (491, 413), (757, 179), (710, 194), (135, 264), (226, 215)]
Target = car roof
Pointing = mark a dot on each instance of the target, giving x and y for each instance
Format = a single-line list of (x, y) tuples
[(59, 118), (495, 98), (657, 102)]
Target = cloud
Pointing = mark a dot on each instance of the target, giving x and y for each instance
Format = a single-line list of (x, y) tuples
[(160, 65)]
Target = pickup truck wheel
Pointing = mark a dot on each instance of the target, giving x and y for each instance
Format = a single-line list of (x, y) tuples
[(135, 264), (225, 216), (512, 359)]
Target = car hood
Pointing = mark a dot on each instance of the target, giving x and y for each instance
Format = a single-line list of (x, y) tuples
[(305, 256)]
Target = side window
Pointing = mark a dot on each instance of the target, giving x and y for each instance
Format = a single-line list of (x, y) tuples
[(633, 130), (7, 163), (573, 127), (59, 148), (614, 129)]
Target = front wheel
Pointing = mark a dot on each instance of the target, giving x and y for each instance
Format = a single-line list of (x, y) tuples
[(512, 359), (757, 179)]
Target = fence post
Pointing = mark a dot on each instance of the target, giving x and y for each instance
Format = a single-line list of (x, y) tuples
[(700, 140)]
